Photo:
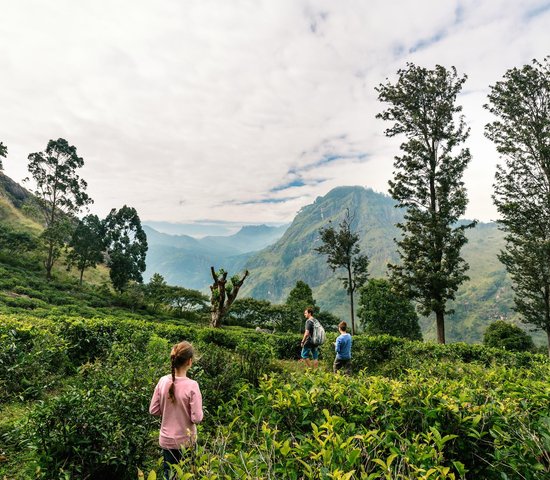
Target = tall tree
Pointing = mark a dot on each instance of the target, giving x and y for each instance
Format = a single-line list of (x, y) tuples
[(521, 133), (342, 250), (385, 310), (299, 298), (60, 192), (428, 184), (223, 294), (3, 153), (87, 244), (126, 247)]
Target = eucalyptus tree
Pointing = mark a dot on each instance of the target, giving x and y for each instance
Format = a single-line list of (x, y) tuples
[(87, 244), (60, 192), (126, 247), (341, 245), (428, 184), (521, 132)]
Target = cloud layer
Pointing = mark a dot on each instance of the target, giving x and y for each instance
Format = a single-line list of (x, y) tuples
[(244, 110)]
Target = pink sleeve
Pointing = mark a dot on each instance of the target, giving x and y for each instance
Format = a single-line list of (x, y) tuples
[(196, 405), (154, 407)]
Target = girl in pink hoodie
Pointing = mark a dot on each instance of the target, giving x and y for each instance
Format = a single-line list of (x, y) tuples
[(177, 399)]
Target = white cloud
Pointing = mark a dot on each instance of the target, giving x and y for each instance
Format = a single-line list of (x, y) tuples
[(201, 109)]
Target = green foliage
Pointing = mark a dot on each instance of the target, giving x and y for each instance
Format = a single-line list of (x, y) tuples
[(126, 246), (60, 193), (426, 425), (87, 244), (450, 409), (156, 292), (217, 370), (428, 184), (505, 335), (256, 358), (15, 242), (184, 300), (384, 310), (521, 133), (343, 251), (249, 312), (97, 428), (299, 298), (31, 362)]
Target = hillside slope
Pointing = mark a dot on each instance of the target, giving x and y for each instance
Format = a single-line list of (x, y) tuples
[(13, 198)]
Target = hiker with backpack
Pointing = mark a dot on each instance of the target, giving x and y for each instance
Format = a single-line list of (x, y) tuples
[(314, 337)]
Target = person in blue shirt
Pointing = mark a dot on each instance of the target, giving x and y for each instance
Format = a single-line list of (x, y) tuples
[(343, 350)]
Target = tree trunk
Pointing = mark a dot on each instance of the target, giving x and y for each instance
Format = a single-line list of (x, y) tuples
[(350, 291), (49, 262), (440, 323), (220, 299), (548, 338), (81, 275), (215, 319)]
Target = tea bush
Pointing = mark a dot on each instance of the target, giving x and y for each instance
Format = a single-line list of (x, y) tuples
[(321, 426), (411, 410), (31, 361), (100, 426)]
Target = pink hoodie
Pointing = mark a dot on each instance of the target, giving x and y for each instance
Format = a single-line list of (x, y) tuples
[(179, 417)]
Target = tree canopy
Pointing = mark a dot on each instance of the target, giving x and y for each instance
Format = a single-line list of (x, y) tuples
[(385, 310), (521, 132), (501, 334), (428, 184), (87, 244), (299, 298), (342, 250), (60, 192), (126, 247)]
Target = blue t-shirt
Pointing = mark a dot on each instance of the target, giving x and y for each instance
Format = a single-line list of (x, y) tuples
[(343, 347)]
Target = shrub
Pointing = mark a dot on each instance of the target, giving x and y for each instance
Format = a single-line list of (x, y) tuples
[(219, 337), (285, 346), (510, 337), (384, 310), (256, 358), (218, 372), (31, 361), (99, 427)]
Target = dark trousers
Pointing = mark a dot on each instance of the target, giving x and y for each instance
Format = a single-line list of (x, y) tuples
[(341, 364), (170, 457)]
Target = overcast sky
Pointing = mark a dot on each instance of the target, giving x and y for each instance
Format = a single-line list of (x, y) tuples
[(243, 110)]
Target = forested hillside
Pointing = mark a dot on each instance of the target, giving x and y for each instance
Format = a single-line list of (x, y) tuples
[(487, 296)]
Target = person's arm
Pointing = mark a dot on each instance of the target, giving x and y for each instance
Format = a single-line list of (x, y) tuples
[(306, 334), (154, 407), (338, 344), (195, 402)]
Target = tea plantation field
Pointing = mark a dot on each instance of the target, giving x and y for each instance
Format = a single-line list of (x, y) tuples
[(75, 396)]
